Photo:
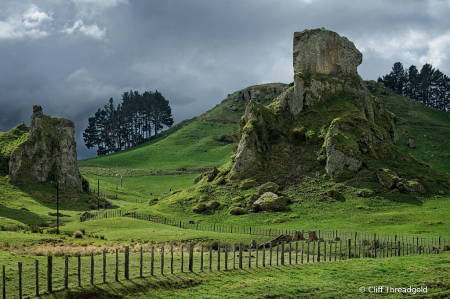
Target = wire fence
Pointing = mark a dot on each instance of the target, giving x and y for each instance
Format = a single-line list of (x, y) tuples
[(48, 273)]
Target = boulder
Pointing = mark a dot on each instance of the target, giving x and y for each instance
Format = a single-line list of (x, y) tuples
[(238, 211), (387, 178), (325, 51), (413, 186), (270, 202), (201, 207), (248, 184), (234, 108), (213, 204), (411, 144), (268, 187)]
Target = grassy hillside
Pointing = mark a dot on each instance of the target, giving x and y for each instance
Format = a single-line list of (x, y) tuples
[(427, 127), (193, 143)]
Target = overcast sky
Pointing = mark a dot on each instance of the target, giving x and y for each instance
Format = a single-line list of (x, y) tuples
[(71, 56)]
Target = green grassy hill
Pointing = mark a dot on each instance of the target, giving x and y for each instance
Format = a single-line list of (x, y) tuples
[(427, 127), (193, 143)]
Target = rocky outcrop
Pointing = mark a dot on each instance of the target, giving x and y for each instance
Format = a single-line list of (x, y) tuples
[(324, 51), (49, 152), (325, 67), (390, 180)]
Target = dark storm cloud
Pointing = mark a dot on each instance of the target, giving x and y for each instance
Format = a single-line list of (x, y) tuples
[(72, 56)]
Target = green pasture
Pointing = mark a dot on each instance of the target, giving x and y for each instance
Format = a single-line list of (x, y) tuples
[(193, 146), (341, 279), (145, 187)]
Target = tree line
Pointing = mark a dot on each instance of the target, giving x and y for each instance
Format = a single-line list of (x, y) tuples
[(113, 129), (429, 85)]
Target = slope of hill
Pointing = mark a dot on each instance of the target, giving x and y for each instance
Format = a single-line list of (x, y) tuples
[(426, 127), (200, 142)]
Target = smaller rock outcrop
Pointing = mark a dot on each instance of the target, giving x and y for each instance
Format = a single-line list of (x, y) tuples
[(49, 151)]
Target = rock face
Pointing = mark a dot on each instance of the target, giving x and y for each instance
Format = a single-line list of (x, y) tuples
[(48, 153), (324, 51), (325, 74)]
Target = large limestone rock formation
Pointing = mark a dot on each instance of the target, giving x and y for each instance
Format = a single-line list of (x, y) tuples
[(48, 152), (325, 72), (324, 51)]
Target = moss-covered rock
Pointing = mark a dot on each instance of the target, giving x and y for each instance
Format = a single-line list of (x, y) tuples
[(387, 178), (248, 184), (268, 187), (201, 207), (213, 204), (270, 202), (238, 211), (237, 199)]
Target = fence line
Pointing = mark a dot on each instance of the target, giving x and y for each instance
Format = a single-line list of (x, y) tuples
[(65, 272), (115, 196), (323, 235)]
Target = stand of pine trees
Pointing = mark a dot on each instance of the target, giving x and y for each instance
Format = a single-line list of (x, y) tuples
[(429, 86), (129, 124)]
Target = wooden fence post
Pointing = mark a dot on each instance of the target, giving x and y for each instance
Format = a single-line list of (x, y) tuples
[(240, 255), (210, 257), (182, 258), (218, 257), (277, 251), (92, 267), (226, 256), (37, 277), (117, 265), (66, 271), (201, 257), (349, 248), (4, 281), (49, 273), (171, 259), (234, 255), (140, 261), (127, 262), (282, 252), (314, 251), (264, 255), (301, 257), (256, 254), (270, 254), (19, 265), (191, 257), (152, 261), (104, 266), (250, 256), (162, 260), (290, 253), (307, 253), (318, 251)]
